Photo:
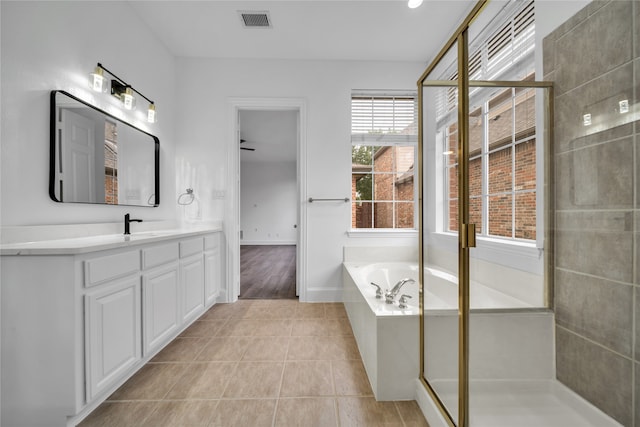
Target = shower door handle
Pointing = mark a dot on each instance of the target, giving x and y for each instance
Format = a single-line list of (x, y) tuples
[(468, 235)]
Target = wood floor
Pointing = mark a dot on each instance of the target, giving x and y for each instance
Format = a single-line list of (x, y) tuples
[(268, 272)]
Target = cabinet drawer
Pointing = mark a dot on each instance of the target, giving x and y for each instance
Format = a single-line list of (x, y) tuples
[(110, 267), (159, 255), (211, 241), (191, 247)]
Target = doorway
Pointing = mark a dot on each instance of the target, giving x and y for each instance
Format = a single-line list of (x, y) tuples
[(268, 203), (241, 232), (268, 272)]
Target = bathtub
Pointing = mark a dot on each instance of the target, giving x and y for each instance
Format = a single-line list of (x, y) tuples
[(511, 349), (441, 288), (388, 336)]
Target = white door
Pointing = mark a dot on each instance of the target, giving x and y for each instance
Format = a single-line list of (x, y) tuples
[(77, 177)]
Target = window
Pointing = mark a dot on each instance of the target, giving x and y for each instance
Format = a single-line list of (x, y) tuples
[(502, 167), (502, 139), (384, 139)]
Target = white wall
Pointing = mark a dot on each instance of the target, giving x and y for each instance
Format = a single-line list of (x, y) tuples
[(54, 45), (268, 203), (205, 129)]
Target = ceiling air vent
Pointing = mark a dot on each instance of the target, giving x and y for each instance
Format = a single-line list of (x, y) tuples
[(255, 19)]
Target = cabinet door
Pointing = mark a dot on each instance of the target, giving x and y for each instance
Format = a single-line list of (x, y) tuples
[(212, 271), (160, 296), (192, 281), (211, 277), (112, 332)]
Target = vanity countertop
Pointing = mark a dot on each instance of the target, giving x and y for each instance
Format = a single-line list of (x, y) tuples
[(81, 245)]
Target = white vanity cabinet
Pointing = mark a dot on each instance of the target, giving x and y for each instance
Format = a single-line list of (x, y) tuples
[(78, 322)]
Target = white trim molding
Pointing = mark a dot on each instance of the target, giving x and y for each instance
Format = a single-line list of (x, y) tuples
[(232, 208)]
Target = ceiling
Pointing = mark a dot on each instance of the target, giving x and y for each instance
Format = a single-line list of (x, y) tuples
[(376, 30), (385, 30), (273, 135)]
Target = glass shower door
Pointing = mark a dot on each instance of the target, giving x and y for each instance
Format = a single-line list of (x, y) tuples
[(439, 233), (510, 329)]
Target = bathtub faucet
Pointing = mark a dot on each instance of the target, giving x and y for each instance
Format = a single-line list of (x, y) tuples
[(378, 291), (390, 295)]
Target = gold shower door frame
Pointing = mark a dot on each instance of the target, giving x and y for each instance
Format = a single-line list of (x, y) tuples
[(466, 235)]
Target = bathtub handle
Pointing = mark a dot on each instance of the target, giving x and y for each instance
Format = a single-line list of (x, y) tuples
[(378, 291), (402, 302)]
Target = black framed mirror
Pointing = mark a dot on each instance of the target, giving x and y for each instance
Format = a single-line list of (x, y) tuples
[(98, 158)]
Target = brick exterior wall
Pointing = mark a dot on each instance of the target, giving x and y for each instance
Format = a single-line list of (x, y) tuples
[(383, 188), (500, 173), (388, 186), (394, 185), (110, 165), (111, 190)]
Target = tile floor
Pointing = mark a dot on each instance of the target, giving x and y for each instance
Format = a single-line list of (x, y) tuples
[(256, 363)]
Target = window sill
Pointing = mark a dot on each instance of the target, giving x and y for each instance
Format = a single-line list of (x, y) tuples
[(517, 254), (382, 232)]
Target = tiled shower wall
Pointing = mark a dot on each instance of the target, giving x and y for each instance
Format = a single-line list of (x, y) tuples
[(594, 61)]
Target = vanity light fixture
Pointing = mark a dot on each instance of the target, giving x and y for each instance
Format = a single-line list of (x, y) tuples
[(127, 98), (97, 81), (120, 89), (151, 113), (414, 3)]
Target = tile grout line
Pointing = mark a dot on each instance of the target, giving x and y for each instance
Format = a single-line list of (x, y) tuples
[(404, 423), (335, 392), (284, 366), (591, 341)]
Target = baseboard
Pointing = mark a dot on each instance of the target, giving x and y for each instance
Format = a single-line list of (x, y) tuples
[(324, 294), (266, 242)]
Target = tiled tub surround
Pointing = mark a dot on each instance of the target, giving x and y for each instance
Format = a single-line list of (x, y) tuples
[(81, 315), (256, 363), (594, 61)]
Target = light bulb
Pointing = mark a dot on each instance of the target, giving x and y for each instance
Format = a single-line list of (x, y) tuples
[(151, 113), (414, 3), (97, 80), (127, 99)]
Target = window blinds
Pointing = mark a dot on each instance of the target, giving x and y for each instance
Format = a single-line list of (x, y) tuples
[(383, 119), (506, 53)]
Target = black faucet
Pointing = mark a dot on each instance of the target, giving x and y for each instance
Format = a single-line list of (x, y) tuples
[(128, 220)]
